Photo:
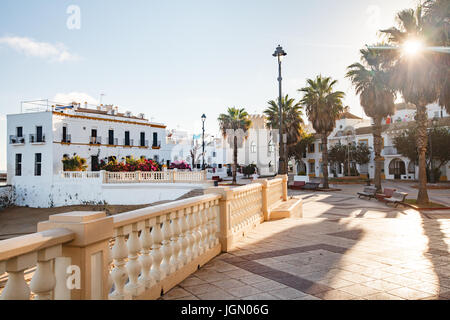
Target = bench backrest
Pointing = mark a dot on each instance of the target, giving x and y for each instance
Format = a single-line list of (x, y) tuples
[(370, 190), (388, 192), (299, 183)]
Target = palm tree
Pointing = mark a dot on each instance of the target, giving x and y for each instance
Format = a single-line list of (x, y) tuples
[(292, 122), (371, 81), (418, 77), (231, 123), (436, 17), (323, 107)]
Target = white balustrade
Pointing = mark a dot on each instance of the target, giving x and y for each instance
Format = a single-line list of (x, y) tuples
[(34, 254)]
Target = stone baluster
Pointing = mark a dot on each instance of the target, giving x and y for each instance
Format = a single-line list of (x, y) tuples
[(190, 254), (193, 224), (216, 214), (166, 248), (157, 256), (44, 280), (146, 259), (133, 265), (211, 224), (182, 237), (16, 287), (174, 241), (119, 273), (205, 228), (198, 229)]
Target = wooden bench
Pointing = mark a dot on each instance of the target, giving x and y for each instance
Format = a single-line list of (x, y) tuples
[(397, 198), (217, 178), (297, 185), (368, 192), (388, 192)]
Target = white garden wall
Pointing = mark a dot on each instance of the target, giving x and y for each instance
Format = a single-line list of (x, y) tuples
[(64, 192)]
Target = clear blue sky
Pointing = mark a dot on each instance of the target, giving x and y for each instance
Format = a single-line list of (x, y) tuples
[(175, 60)]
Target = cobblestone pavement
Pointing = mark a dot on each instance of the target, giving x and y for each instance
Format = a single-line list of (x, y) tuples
[(344, 248)]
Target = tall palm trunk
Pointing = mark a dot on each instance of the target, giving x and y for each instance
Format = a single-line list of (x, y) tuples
[(422, 141), (325, 160), (377, 148), (235, 150)]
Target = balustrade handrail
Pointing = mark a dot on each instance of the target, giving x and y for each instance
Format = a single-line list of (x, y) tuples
[(127, 218), (18, 246)]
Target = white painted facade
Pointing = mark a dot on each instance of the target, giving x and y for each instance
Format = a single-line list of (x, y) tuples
[(350, 130), (259, 148)]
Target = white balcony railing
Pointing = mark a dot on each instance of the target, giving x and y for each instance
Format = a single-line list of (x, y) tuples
[(95, 140), (16, 140), (155, 176), (35, 138)]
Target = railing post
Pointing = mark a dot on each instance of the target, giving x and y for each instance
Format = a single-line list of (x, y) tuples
[(264, 198), (225, 232), (104, 176), (204, 175), (89, 251), (285, 189)]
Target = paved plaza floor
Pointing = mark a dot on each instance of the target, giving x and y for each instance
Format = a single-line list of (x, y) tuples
[(344, 248)]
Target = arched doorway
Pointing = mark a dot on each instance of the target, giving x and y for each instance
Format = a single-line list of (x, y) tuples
[(397, 168), (301, 168)]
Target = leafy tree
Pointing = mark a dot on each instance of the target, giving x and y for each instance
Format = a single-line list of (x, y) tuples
[(440, 140), (301, 146), (249, 170), (231, 123), (323, 107)]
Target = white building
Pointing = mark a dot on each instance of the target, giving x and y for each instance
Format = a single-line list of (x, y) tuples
[(39, 140), (352, 129), (259, 148)]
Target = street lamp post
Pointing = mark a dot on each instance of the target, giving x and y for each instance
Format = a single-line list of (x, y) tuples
[(203, 141), (279, 53)]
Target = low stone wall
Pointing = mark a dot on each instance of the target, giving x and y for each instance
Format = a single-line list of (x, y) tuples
[(65, 193), (6, 196)]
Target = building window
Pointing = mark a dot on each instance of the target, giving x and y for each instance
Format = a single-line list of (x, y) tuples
[(311, 148), (19, 132), (320, 147), (364, 141), (39, 135), (127, 138), (142, 157), (111, 137), (37, 164), (214, 154), (18, 164), (312, 169), (253, 147), (142, 139), (155, 139)]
